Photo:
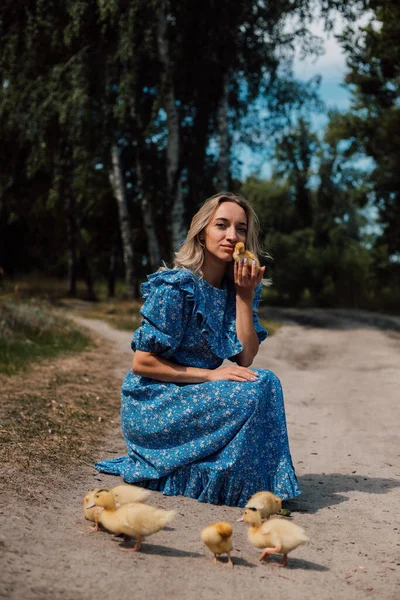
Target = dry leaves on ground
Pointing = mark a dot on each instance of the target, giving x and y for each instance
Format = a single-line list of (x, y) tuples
[(55, 412)]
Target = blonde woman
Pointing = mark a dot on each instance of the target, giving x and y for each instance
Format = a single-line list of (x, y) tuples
[(193, 427)]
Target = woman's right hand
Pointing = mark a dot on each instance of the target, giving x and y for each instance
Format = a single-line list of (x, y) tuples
[(232, 373)]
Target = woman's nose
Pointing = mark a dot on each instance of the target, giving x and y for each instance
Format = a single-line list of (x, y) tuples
[(231, 234)]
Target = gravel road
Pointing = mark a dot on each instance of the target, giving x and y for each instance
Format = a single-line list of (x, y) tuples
[(341, 378)]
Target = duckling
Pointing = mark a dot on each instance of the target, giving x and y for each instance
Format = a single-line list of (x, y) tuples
[(90, 511), (266, 502), (240, 253), (132, 520), (275, 535), (124, 494), (218, 539)]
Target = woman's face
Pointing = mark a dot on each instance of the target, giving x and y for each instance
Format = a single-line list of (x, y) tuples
[(227, 227)]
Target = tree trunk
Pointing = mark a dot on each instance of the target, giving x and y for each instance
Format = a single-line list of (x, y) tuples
[(87, 272), (118, 186), (112, 271), (71, 245), (152, 241), (223, 160), (173, 144)]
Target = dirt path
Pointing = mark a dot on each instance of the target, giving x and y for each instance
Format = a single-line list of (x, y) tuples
[(341, 385)]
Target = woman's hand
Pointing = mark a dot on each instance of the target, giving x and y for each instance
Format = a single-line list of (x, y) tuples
[(232, 373), (247, 276)]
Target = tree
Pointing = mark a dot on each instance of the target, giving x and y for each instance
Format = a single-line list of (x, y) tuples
[(373, 123)]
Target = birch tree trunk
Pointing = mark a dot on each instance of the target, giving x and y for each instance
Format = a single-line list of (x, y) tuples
[(72, 259), (118, 186), (152, 241), (173, 144), (223, 159)]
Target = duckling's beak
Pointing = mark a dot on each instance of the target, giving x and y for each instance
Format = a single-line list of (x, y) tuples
[(91, 505), (240, 520)]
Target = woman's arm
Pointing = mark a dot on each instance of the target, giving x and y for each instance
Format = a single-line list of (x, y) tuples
[(247, 277), (151, 365)]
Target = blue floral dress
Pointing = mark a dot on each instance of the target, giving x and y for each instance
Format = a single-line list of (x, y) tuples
[(218, 441)]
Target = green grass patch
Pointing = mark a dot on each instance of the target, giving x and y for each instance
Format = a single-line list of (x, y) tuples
[(31, 331), (121, 315), (271, 326)]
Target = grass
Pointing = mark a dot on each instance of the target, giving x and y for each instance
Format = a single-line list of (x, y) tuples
[(271, 326), (32, 330), (56, 414), (119, 314)]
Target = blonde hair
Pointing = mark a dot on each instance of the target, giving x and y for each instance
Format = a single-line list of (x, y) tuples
[(191, 254)]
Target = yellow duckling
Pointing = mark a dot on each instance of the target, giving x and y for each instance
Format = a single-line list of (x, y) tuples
[(266, 502), (92, 513), (129, 493), (123, 494), (132, 520), (218, 539), (240, 253), (276, 536)]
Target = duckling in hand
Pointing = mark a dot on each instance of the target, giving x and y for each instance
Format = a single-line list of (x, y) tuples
[(132, 520), (276, 536), (124, 494), (218, 539), (240, 253), (90, 511)]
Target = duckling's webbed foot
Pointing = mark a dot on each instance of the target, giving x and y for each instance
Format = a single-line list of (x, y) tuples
[(95, 527), (283, 563), (138, 545), (229, 563)]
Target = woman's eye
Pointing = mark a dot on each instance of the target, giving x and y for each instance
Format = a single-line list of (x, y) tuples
[(220, 225), (242, 230)]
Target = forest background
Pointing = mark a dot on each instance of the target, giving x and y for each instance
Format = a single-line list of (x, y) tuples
[(118, 118)]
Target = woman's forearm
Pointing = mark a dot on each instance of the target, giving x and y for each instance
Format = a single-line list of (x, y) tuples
[(151, 365), (245, 330)]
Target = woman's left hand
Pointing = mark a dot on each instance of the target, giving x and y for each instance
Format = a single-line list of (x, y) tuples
[(247, 276)]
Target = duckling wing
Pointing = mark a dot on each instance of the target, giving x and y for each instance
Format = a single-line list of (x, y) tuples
[(125, 494), (144, 520), (289, 534)]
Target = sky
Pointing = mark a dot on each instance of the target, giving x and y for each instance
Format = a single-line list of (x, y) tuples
[(331, 66)]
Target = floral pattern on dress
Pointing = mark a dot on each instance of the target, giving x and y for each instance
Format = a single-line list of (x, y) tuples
[(219, 441)]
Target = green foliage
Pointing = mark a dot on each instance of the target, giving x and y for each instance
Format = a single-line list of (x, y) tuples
[(30, 331), (311, 220), (80, 77), (373, 124)]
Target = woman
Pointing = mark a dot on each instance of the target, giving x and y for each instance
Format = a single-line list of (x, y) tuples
[(192, 427)]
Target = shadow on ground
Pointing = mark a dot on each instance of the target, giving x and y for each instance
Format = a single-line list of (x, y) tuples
[(339, 319), (321, 491)]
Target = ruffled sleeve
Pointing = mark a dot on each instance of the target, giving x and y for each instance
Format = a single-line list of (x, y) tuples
[(259, 329), (164, 313)]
